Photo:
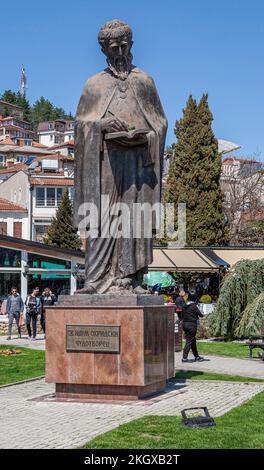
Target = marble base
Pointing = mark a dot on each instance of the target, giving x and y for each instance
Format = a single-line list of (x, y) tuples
[(144, 362), (108, 392), (110, 299)]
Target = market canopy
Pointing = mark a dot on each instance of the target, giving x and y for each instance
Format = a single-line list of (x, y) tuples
[(187, 260), (234, 254)]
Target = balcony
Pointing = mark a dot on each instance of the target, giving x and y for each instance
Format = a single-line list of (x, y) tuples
[(47, 202)]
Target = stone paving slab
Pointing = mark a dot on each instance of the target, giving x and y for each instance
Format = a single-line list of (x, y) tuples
[(24, 342), (223, 365), (33, 423)]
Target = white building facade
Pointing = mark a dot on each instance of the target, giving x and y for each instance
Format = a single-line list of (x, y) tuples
[(56, 132), (38, 191), (13, 220)]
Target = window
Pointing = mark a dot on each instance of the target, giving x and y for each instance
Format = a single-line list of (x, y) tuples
[(48, 197), (2, 159), (49, 164), (40, 197), (17, 229), (51, 197), (8, 281), (20, 158), (40, 232), (59, 195), (10, 258), (50, 126), (51, 137), (45, 262), (3, 228)]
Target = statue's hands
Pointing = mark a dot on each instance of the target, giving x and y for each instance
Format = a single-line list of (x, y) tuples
[(113, 124)]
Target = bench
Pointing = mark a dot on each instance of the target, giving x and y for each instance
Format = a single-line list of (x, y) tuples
[(255, 342)]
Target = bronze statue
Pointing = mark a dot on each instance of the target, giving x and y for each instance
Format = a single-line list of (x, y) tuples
[(120, 134)]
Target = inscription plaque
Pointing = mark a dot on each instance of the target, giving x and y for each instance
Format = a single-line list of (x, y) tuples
[(93, 338)]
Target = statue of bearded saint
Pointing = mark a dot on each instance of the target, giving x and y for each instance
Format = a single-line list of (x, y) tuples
[(117, 168)]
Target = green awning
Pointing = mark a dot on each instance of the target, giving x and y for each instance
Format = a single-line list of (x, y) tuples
[(159, 277)]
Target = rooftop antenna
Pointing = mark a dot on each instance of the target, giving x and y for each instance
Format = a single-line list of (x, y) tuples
[(23, 82)]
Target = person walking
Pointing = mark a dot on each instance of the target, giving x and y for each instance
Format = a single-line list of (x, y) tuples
[(191, 314), (46, 299), (32, 309), (179, 303), (14, 308)]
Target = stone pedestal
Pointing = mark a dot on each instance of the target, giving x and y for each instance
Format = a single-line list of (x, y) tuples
[(142, 356)]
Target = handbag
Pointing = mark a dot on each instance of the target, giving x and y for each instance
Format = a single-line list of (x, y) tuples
[(21, 321)]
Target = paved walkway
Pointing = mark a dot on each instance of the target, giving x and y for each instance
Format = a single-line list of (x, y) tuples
[(24, 342), (34, 419), (28, 422), (224, 365)]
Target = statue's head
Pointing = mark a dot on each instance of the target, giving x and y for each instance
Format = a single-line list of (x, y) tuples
[(115, 39)]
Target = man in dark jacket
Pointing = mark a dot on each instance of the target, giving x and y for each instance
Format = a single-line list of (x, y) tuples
[(191, 315), (14, 308)]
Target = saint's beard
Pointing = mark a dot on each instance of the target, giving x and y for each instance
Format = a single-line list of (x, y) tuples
[(120, 66)]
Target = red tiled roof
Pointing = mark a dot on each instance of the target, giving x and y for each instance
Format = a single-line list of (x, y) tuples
[(13, 118), (12, 126), (51, 156), (14, 169), (38, 145), (6, 205), (7, 141), (51, 182), (230, 160)]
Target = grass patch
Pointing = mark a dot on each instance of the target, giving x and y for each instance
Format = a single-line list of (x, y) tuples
[(241, 428), (225, 348), (199, 375), (27, 365)]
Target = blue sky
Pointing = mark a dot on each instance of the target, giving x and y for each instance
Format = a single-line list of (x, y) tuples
[(190, 46)]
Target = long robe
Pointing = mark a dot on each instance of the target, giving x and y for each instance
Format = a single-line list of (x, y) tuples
[(124, 174)]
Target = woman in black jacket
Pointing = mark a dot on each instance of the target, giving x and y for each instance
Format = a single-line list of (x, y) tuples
[(191, 315)]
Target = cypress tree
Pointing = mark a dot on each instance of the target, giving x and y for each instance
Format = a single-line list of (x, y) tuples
[(62, 232), (194, 175)]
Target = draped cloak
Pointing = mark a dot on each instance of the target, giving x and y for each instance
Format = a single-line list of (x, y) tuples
[(98, 94)]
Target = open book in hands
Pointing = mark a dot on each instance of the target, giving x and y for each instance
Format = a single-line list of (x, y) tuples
[(133, 137)]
